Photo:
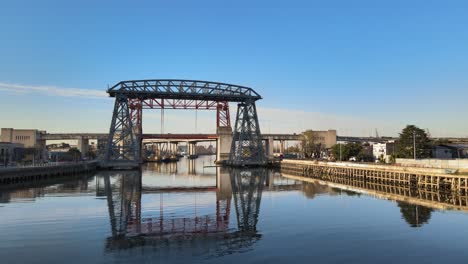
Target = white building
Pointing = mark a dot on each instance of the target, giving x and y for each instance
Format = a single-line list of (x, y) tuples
[(383, 150)]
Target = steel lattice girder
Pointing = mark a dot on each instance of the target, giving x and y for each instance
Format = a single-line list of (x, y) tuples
[(183, 89), (247, 147), (121, 142)]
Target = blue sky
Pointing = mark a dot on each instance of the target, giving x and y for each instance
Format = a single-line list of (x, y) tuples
[(349, 65)]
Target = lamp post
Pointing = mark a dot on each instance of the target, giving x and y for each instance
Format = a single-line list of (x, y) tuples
[(414, 143)]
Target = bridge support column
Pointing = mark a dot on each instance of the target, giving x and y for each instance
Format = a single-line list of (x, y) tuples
[(247, 148), (223, 144), (270, 147), (121, 148), (83, 146), (192, 150), (174, 148)]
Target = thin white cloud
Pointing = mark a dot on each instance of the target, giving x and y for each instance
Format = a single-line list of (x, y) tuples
[(272, 120), (12, 88)]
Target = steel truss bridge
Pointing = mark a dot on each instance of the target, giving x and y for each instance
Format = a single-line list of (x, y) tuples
[(131, 97)]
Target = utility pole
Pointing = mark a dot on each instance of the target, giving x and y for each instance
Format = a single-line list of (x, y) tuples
[(340, 153), (414, 143)]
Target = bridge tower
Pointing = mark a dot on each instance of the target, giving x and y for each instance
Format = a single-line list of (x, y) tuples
[(247, 147), (122, 142)]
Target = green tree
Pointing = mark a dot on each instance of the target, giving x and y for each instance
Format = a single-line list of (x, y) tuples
[(347, 151), (405, 143), (310, 145), (74, 154), (292, 149), (364, 157)]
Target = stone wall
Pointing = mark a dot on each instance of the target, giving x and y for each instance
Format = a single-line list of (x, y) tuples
[(457, 164)]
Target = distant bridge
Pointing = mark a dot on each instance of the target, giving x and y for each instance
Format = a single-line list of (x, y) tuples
[(168, 136), (207, 137)]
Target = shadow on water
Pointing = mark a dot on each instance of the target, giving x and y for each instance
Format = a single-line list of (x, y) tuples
[(240, 187)]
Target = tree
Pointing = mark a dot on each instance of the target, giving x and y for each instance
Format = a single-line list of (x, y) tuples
[(405, 143), (292, 149), (74, 154), (346, 151), (364, 157), (91, 154), (28, 154), (310, 147)]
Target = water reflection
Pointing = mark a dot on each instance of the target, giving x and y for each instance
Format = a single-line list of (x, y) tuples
[(415, 215), (131, 229), (78, 184), (416, 204)]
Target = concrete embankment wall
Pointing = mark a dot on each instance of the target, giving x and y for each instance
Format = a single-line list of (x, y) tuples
[(21, 175), (424, 178), (453, 164)]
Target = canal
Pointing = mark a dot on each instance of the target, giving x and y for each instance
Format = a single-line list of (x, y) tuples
[(191, 212)]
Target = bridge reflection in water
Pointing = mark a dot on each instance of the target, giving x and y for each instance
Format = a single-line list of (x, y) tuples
[(130, 229), (218, 232)]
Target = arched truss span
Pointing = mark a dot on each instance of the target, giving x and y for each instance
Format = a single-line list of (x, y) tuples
[(183, 89)]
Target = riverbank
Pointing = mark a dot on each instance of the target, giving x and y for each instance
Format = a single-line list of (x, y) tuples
[(24, 175), (414, 177)]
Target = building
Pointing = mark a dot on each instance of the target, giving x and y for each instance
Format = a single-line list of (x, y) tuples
[(450, 151), (28, 138), (442, 152), (383, 151), (10, 153), (326, 138)]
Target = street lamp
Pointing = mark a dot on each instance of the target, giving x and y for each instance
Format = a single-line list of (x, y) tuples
[(414, 144)]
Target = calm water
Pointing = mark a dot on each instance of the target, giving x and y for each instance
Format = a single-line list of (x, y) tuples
[(185, 213)]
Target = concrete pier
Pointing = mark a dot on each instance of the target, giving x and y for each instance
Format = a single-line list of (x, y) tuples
[(224, 142), (22, 175)]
